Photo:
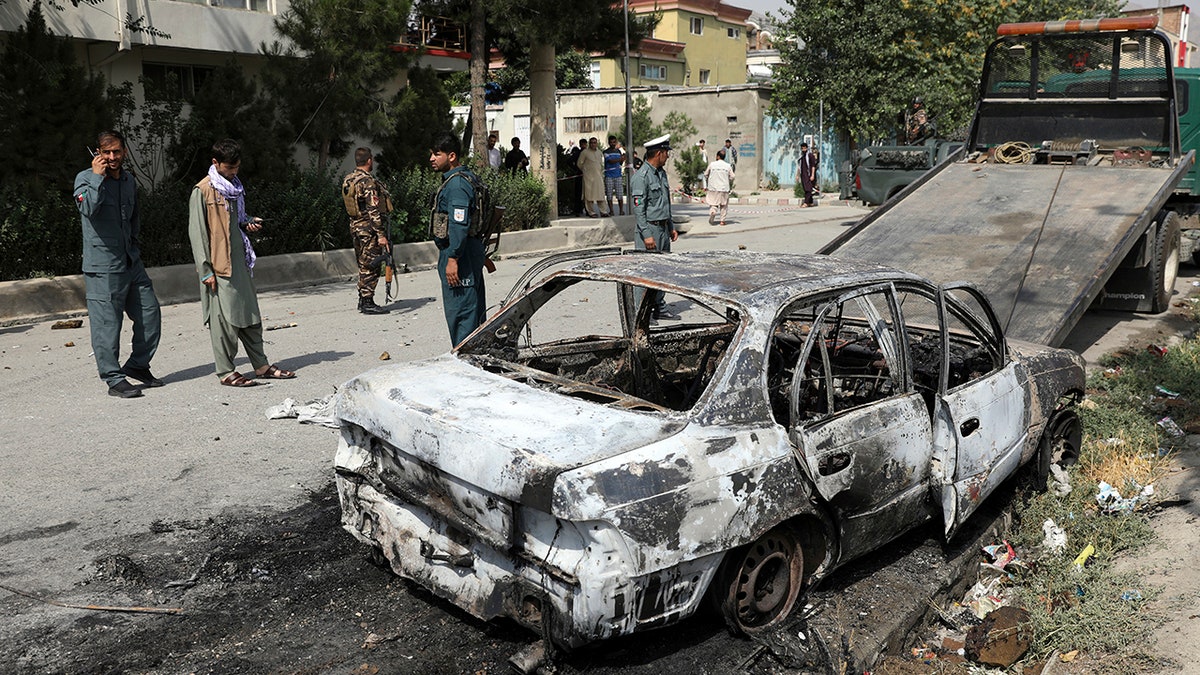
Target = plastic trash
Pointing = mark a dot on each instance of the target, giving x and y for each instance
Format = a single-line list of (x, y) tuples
[(1169, 427), (1111, 501), (1001, 554), (1055, 539), (1059, 483), (1131, 594), (1082, 558), (1166, 392), (1156, 350)]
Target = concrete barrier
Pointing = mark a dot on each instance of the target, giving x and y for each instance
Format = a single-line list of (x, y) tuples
[(33, 300)]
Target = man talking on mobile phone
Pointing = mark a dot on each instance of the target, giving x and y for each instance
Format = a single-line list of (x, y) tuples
[(114, 276)]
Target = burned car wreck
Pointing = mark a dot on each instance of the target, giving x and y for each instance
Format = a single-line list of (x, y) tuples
[(588, 472)]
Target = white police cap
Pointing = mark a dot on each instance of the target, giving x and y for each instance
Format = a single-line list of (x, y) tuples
[(661, 143)]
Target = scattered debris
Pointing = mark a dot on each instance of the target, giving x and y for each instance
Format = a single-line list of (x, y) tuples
[(1156, 350), (68, 344), (1056, 538), (96, 608), (1001, 639), (1082, 558), (1060, 482), (385, 357), (67, 323), (1111, 502), (192, 580), (317, 411), (281, 326), (1131, 594), (1169, 427), (375, 639), (1166, 392)]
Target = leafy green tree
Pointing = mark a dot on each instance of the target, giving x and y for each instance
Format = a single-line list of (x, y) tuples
[(644, 128), (230, 105), (329, 75), (571, 71), (867, 59), (421, 112), (50, 106)]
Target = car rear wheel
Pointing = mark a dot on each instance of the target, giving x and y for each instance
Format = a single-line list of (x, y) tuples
[(1060, 444), (761, 582)]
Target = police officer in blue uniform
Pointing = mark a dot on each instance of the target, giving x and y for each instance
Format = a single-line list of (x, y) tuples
[(652, 208), (114, 276), (460, 256)]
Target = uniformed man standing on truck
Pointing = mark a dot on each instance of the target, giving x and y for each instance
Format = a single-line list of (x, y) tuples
[(652, 208), (366, 201)]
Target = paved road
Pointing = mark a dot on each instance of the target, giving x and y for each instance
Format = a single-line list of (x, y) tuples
[(79, 465)]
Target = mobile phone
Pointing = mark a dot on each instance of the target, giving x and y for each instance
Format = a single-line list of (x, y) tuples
[(90, 150)]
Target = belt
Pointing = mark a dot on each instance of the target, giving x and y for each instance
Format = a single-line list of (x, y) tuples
[(660, 223)]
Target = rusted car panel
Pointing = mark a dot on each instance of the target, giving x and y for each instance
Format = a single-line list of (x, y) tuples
[(589, 473)]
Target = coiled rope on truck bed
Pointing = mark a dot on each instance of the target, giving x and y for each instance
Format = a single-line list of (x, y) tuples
[(1013, 152)]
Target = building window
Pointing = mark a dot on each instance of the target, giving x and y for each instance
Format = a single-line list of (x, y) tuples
[(586, 125), (734, 33), (163, 81), (697, 25), (594, 74), (704, 76), (652, 72)]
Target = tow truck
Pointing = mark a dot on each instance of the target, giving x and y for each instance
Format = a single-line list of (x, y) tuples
[(1071, 189)]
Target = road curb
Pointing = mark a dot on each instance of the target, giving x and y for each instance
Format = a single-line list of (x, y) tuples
[(33, 300)]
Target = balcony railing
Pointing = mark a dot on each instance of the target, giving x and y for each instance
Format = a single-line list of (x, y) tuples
[(434, 32)]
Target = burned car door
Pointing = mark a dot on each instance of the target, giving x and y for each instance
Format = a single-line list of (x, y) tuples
[(982, 411), (861, 432)]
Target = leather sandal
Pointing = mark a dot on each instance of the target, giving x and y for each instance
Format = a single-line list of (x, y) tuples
[(236, 379), (274, 372)]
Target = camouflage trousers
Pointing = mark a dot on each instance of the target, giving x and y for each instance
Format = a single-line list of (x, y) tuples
[(366, 251)]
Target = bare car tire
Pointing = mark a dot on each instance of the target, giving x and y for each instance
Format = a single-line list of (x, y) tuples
[(761, 582), (1059, 445), (1166, 262)]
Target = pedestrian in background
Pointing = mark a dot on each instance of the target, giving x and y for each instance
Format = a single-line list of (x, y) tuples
[(704, 158), (516, 161), (731, 153), (719, 179), (614, 182), (367, 202), (113, 274), (652, 210), (806, 174), (460, 256), (576, 174), (591, 163), (218, 227), (493, 153)]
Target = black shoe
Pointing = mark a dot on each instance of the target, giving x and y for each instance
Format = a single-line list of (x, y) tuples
[(368, 306), (123, 389), (664, 313), (143, 375)]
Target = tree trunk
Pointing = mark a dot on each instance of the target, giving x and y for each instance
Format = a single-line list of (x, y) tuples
[(479, 61), (543, 135)]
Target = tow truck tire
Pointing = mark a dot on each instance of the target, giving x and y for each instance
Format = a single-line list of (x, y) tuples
[(1166, 262)]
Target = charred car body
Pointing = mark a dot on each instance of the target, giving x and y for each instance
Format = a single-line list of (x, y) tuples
[(588, 472)]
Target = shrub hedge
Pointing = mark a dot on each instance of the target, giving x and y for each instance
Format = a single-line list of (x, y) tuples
[(40, 235)]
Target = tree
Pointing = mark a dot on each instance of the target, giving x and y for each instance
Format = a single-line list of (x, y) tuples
[(867, 59), (329, 75), (50, 104), (541, 28), (571, 71), (230, 105), (422, 113), (643, 127)]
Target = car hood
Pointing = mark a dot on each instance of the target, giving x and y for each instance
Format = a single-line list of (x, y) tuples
[(505, 436)]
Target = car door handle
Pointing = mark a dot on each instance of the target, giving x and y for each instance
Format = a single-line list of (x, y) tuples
[(967, 428)]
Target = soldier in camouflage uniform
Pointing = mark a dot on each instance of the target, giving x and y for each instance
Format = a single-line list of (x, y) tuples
[(367, 202)]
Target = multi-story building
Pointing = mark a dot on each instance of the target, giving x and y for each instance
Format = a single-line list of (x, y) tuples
[(697, 43), (151, 40)]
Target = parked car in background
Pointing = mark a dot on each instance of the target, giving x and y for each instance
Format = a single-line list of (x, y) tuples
[(590, 472), (885, 170)]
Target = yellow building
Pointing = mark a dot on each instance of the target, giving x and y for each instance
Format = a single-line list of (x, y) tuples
[(697, 43)]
